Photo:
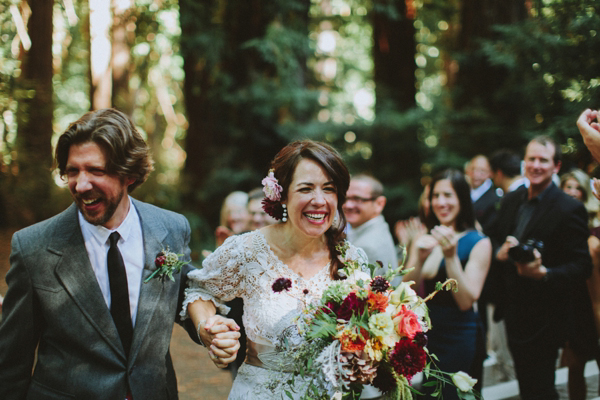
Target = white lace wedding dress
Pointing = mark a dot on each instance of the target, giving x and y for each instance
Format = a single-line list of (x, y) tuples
[(245, 266)]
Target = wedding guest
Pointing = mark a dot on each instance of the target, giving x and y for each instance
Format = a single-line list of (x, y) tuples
[(506, 170), (369, 230), (554, 282), (235, 218), (452, 249), (82, 319), (306, 188), (258, 217), (576, 184), (483, 192)]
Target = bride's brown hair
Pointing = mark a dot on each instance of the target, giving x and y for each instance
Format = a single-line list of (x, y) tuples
[(284, 164)]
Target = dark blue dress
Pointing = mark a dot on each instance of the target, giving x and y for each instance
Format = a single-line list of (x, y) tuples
[(455, 334)]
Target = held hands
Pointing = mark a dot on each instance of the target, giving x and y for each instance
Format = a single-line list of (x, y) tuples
[(222, 335), (447, 238)]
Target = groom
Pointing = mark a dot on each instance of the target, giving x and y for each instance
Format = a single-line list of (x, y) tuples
[(76, 289)]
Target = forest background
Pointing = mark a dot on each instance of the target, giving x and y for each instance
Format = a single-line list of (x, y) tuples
[(401, 88)]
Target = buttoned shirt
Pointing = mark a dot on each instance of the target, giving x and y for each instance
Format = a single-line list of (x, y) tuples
[(131, 246), (526, 211)]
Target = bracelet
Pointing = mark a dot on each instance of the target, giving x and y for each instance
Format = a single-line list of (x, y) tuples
[(201, 323)]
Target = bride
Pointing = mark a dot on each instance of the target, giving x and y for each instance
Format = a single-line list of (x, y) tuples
[(305, 189)]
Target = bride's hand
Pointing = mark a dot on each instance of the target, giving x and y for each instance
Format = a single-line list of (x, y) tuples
[(223, 334)]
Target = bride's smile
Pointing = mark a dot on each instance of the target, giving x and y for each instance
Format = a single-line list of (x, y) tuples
[(312, 199)]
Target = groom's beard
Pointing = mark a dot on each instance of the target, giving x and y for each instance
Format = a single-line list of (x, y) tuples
[(103, 215)]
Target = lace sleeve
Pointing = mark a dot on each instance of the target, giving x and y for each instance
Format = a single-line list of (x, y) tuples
[(219, 280)]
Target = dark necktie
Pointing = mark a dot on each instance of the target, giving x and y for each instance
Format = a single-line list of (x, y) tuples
[(119, 308)]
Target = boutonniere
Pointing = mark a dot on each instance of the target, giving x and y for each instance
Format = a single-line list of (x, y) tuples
[(167, 263)]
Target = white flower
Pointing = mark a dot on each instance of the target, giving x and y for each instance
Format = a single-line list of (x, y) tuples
[(404, 294), (463, 381), (337, 396)]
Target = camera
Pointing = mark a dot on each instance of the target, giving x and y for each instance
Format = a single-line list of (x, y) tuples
[(523, 252)]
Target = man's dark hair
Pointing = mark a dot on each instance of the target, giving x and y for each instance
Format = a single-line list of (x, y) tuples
[(547, 140), (507, 161), (127, 154)]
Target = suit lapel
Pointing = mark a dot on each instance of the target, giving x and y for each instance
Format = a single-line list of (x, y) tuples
[(154, 233), (75, 272)]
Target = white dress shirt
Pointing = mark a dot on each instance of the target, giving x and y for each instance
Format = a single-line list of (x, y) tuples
[(131, 246), (480, 191)]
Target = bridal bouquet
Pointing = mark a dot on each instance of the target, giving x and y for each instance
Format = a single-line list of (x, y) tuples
[(363, 331)]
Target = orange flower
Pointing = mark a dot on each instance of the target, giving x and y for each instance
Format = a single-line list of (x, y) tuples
[(352, 341), (377, 301)]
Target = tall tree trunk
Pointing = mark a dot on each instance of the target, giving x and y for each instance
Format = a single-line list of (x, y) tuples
[(394, 151), (100, 54), (394, 54), (33, 183), (122, 38)]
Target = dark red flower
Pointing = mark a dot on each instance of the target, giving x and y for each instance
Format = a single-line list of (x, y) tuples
[(420, 339), (160, 259), (305, 291), (330, 307), (350, 306), (273, 208), (281, 284), (408, 358), (384, 380), (379, 284)]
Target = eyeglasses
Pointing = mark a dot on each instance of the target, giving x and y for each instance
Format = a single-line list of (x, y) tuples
[(359, 200)]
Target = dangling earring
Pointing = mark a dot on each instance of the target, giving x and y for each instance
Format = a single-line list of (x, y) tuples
[(336, 218), (284, 218)]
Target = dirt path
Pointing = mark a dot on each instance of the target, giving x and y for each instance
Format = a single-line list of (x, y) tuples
[(197, 376)]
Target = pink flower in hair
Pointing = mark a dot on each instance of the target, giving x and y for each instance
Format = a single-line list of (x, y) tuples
[(271, 187)]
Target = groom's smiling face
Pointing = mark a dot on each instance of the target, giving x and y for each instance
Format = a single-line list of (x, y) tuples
[(100, 196)]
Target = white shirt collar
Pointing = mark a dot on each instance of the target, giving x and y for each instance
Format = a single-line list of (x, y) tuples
[(477, 193), (101, 233)]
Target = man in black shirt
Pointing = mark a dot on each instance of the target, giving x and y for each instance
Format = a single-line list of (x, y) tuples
[(546, 299)]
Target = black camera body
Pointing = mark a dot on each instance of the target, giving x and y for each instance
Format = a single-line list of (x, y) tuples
[(523, 252)]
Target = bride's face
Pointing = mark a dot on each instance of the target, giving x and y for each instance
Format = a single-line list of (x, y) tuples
[(312, 199)]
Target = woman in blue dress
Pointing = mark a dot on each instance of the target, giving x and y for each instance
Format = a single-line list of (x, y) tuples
[(452, 249)]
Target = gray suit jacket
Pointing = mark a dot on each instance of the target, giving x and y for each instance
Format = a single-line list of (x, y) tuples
[(54, 304)]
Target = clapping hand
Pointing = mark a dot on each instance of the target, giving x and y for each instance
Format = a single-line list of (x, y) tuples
[(447, 238), (408, 230), (425, 245), (221, 335), (590, 131)]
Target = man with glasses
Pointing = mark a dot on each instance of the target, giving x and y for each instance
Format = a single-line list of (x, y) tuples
[(364, 203)]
